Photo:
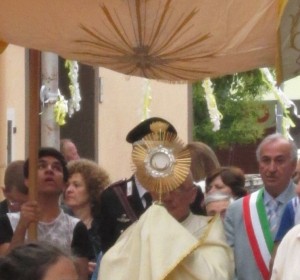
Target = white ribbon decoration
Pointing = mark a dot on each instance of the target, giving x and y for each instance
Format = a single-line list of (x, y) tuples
[(285, 102), (214, 113), (74, 101), (147, 98)]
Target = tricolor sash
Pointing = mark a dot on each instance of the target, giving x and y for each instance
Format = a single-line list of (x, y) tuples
[(258, 231)]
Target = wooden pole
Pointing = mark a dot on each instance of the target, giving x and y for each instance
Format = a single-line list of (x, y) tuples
[(3, 120), (34, 128)]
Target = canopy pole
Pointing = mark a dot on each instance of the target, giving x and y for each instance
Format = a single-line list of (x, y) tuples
[(279, 114), (50, 133), (34, 129)]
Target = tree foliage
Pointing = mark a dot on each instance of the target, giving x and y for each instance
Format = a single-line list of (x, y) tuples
[(239, 99)]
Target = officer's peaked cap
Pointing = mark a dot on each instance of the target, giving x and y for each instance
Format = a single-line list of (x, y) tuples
[(143, 128)]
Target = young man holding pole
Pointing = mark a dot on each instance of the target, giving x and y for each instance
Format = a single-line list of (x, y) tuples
[(53, 225)]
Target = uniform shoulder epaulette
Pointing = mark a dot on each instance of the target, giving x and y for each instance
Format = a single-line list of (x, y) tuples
[(118, 183)]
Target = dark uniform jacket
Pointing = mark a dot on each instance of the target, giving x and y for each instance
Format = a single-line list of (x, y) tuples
[(114, 218), (4, 207)]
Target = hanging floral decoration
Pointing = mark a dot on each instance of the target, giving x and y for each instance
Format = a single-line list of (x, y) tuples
[(284, 101), (214, 113), (74, 101), (62, 106), (50, 96), (60, 109), (146, 99)]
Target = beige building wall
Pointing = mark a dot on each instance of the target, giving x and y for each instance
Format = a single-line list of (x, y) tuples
[(120, 110), (15, 89), (12, 103)]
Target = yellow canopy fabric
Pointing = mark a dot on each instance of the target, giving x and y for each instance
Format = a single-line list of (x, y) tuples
[(173, 40), (288, 60)]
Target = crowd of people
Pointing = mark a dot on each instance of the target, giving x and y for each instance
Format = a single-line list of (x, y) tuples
[(91, 228)]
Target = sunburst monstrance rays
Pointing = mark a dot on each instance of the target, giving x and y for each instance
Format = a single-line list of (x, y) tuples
[(161, 165)]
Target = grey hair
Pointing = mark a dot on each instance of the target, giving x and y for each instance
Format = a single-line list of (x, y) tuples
[(274, 137), (217, 196)]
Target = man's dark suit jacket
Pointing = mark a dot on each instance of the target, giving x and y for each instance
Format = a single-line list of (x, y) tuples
[(4, 207), (113, 217)]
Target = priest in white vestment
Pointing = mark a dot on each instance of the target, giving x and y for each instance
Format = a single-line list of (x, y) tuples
[(170, 243)]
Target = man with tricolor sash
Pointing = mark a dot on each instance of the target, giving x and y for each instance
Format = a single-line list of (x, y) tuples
[(251, 223)]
